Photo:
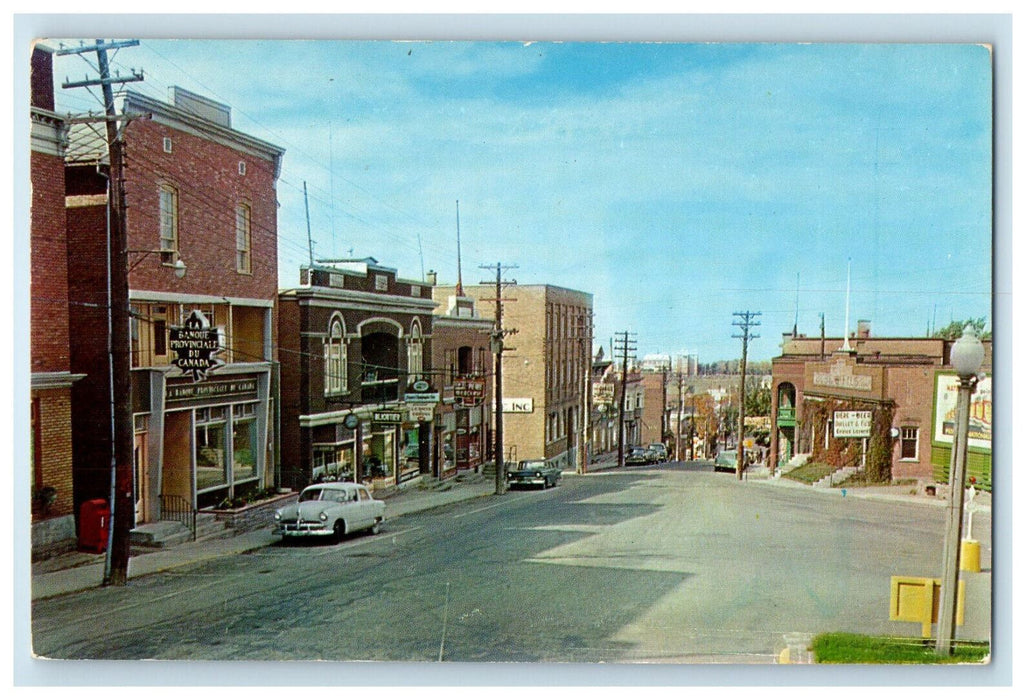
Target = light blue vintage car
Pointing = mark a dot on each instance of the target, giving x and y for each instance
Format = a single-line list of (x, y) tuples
[(335, 509)]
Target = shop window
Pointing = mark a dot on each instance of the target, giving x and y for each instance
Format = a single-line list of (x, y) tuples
[(245, 443), (909, 443), (210, 448)]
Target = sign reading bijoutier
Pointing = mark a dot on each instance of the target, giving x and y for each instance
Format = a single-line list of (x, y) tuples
[(195, 345), (852, 424)]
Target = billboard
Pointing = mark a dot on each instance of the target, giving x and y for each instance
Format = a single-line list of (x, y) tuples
[(980, 418)]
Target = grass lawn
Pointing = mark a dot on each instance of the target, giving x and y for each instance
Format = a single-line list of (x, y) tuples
[(809, 473), (845, 648)]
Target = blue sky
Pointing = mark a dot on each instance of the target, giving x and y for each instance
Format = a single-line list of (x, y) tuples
[(676, 182)]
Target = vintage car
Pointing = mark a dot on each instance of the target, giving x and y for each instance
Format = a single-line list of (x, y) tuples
[(726, 460), (533, 472), (334, 509), (659, 449), (640, 455)]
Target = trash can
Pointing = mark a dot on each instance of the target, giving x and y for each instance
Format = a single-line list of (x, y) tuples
[(93, 526)]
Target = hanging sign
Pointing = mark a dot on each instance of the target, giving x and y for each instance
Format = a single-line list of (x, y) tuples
[(470, 392), (421, 412), (195, 345), (387, 417)]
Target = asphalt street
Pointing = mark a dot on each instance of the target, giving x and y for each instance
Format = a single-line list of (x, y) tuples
[(670, 565)]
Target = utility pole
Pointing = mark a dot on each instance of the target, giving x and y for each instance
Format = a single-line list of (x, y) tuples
[(585, 355), (498, 335), (624, 346), (746, 322), (116, 561), (677, 430), (665, 414)]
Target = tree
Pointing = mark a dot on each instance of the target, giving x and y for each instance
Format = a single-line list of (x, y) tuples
[(952, 331), (758, 397)]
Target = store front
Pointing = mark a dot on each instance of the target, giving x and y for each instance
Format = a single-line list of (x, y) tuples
[(203, 443)]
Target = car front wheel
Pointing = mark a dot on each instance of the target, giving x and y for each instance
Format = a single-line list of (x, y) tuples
[(376, 528), (339, 530)]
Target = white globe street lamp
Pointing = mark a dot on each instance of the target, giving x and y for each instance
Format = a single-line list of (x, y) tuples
[(966, 358)]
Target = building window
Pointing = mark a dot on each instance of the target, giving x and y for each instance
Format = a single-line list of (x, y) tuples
[(166, 144), (909, 443), (380, 283), (415, 352), (245, 443), (242, 168), (210, 447), (168, 221), (335, 356), (244, 239)]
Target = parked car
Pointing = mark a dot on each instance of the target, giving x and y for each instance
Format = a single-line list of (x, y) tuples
[(639, 455), (660, 449), (332, 509), (725, 461), (533, 472)]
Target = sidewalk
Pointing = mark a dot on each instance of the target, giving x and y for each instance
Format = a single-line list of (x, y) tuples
[(78, 571)]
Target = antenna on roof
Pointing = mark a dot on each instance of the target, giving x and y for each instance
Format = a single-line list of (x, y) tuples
[(459, 256), (846, 321)]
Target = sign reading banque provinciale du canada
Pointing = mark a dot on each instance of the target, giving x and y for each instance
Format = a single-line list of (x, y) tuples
[(195, 345)]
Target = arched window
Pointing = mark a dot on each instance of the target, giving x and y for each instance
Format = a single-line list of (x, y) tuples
[(415, 351), (335, 359)]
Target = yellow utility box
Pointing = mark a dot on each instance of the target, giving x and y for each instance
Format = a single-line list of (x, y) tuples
[(917, 599), (970, 555)]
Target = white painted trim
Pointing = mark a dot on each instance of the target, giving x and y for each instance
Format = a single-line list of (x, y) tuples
[(174, 298)]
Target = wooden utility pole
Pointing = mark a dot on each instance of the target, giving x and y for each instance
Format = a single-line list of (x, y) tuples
[(677, 430), (624, 347), (116, 561), (498, 335), (747, 321), (585, 357)]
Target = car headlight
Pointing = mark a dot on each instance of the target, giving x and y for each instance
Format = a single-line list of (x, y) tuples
[(323, 516), (509, 475), (537, 474), (277, 515)]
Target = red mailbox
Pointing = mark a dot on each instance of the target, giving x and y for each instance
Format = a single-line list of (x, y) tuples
[(93, 525)]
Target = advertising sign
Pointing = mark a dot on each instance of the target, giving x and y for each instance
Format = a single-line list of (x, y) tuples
[(195, 345), (517, 405), (469, 392), (387, 417), (980, 412), (602, 392), (421, 412), (852, 424)]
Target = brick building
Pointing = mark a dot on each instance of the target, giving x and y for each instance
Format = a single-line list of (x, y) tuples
[(902, 388), (654, 406), (545, 374), (53, 516), (355, 341), (201, 200), (463, 364)]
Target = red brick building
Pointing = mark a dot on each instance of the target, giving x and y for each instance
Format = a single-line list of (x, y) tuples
[(53, 521), (201, 200), (355, 340), (901, 387), (463, 362)]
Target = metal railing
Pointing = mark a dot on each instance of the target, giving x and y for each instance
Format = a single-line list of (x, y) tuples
[(179, 509)]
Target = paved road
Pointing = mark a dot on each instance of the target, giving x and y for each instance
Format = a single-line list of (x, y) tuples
[(676, 565)]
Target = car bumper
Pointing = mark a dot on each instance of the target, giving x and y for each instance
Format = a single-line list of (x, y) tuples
[(303, 530), (534, 480)]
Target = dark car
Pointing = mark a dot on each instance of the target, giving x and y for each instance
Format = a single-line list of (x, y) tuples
[(533, 472), (725, 461), (639, 455)]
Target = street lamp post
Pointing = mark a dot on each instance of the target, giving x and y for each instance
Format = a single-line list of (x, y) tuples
[(966, 358)]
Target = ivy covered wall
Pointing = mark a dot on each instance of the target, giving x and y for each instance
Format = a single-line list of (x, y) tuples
[(847, 452)]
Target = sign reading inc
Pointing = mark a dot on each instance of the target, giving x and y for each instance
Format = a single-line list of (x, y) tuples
[(195, 345)]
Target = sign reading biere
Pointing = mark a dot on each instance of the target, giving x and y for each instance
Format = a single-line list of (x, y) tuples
[(852, 424)]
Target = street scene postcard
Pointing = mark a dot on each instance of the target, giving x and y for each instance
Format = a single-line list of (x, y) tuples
[(647, 354)]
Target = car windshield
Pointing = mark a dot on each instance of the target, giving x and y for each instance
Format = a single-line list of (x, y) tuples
[(319, 495), (532, 464)]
